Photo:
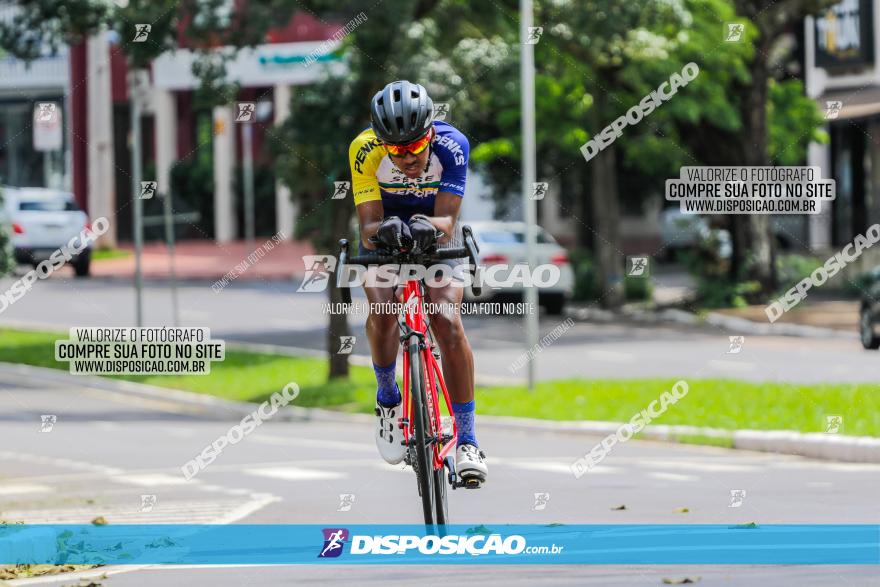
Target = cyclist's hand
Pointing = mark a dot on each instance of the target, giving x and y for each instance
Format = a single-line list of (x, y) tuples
[(394, 233), (424, 234)]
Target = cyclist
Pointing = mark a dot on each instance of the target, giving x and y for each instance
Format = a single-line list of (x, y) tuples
[(408, 177)]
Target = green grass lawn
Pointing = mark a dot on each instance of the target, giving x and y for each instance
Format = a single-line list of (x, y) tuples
[(715, 403), (101, 254)]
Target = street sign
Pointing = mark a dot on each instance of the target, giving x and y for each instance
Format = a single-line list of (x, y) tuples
[(47, 126)]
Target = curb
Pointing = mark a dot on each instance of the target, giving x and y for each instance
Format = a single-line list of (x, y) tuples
[(733, 323), (815, 445)]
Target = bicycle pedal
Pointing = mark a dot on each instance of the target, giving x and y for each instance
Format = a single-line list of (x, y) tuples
[(472, 482)]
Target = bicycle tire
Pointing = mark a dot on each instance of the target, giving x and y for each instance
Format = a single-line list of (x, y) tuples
[(423, 460), (441, 502)]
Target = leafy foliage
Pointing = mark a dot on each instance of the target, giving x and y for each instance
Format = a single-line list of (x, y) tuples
[(6, 258)]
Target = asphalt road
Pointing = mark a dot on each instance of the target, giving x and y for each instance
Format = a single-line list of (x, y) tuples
[(107, 449), (272, 312)]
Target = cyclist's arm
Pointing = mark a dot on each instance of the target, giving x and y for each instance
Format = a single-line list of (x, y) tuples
[(446, 208), (364, 158), (370, 216), (453, 154)]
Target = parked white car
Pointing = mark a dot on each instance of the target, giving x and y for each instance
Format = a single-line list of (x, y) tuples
[(504, 243), (43, 220), (681, 231)]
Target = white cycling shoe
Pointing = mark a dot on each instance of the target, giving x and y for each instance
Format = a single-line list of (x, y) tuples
[(470, 463), (389, 435)]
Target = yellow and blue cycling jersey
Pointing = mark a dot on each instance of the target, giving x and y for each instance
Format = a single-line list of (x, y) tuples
[(374, 177)]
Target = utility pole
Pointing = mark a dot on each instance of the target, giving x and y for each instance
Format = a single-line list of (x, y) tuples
[(136, 79), (527, 91)]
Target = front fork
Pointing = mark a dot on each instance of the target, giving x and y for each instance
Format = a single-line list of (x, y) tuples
[(414, 329)]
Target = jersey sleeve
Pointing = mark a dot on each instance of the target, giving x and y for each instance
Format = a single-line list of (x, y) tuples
[(364, 156), (453, 154)]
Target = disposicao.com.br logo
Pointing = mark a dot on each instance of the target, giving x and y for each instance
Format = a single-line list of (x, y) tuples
[(449, 544), (320, 269)]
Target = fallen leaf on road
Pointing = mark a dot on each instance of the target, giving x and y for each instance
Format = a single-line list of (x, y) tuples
[(680, 581), (748, 526), (478, 530), (619, 507), (100, 521), (681, 510)]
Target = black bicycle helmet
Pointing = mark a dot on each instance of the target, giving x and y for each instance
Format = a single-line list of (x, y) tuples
[(401, 112)]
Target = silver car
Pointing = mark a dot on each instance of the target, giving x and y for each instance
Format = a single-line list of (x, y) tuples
[(503, 243), (44, 220)]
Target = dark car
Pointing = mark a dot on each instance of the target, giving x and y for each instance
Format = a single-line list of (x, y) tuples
[(869, 315)]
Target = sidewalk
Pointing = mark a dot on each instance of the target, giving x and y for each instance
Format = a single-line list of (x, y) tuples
[(210, 260), (832, 314)]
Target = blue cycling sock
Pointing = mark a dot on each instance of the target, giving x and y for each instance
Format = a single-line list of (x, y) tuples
[(388, 394), (464, 421)]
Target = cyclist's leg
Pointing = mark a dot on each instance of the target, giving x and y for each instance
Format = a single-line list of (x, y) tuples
[(384, 344), (458, 372), (458, 359), (382, 325)]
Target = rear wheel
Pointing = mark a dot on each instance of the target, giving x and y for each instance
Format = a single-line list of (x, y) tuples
[(421, 451)]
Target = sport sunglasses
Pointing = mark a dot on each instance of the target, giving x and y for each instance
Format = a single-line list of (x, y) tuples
[(414, 147)]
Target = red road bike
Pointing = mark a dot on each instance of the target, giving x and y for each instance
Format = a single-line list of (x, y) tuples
[(429, 447)]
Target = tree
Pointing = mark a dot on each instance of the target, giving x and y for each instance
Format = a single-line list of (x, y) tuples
[(588, 65), (753, 247), (6, 257), (311, 146)]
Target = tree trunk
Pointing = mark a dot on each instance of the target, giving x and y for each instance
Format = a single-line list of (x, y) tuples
[(606, 228), (753, 244), (338, 324), (338, 328)]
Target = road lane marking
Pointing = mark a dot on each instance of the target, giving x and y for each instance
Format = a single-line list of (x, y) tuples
[(312, 442), (154, 480), (549, 466), (23, 488), (696, 465), (190, 511), (295, 474), (662, 475), (64, 463)]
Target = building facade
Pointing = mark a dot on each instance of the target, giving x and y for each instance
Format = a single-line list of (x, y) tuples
[(843, 76)]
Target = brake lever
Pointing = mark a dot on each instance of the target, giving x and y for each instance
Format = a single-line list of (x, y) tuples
[(470, 244)]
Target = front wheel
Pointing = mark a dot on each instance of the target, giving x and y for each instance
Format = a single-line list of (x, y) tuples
[(421, 455)]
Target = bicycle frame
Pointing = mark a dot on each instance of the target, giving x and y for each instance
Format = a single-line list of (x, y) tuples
[(416, 324)]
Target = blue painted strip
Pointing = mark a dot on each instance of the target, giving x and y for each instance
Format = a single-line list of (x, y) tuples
[(410, 544)]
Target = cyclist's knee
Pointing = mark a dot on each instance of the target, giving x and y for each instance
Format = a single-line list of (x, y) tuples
[(448, 328), (382, 323)]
